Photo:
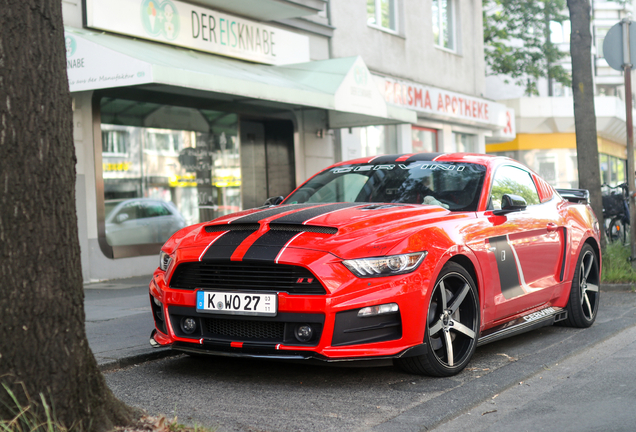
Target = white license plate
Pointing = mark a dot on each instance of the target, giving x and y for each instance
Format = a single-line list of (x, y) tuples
[(232, 303)]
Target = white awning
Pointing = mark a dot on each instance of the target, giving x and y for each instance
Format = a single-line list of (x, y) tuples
[(343, 87)]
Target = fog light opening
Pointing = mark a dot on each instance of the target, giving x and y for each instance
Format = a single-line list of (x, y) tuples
[(304, 333), (378, 310), (188, 325)]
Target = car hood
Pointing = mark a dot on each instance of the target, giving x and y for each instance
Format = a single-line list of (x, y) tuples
[(347, 230)]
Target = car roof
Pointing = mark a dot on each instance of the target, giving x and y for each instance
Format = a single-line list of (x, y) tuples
[(482, 159)]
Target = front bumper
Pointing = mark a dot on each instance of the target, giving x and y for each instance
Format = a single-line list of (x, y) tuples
[(339, 334)]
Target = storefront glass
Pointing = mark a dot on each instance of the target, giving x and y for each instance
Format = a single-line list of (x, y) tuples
[(424, 139), (165, 168), (377, 140), (557, 166), (465, 143), (613, 170)]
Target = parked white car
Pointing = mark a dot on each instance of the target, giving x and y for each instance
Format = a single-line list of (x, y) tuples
[(142, 221)]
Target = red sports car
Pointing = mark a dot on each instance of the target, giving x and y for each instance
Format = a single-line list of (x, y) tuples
[(415, 259)]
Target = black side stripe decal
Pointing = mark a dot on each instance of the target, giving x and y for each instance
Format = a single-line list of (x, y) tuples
[(224, 247), (269, 212), (304, 215), (565, 251), (507, 266), (268, 246)]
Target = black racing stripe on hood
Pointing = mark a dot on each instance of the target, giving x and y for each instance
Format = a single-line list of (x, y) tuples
[(304, 215), (423, 157), (269, 212), (224, 246), (386, 159), (268, 246)]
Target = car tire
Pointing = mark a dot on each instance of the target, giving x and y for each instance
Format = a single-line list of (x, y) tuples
[(452, 325), (585, 292), (617, 230)]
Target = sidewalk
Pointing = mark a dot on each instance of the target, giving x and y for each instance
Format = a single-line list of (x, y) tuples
[(119, 321)]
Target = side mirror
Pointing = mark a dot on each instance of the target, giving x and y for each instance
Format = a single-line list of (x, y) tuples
[(274, 201), (122, 217), (511, 203)]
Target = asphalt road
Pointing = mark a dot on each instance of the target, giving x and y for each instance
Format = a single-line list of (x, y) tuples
[(555, 378)]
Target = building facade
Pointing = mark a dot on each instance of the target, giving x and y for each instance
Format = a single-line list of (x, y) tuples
[(545, 137), (188, 110)]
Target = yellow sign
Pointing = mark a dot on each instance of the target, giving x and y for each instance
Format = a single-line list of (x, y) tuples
[(116, 166)]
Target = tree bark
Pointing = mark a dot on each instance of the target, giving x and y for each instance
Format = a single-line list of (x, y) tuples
[(584, 114), (43, 347)]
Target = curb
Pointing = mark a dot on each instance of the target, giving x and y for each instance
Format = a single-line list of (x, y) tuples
[(618, 287), (137, 359)]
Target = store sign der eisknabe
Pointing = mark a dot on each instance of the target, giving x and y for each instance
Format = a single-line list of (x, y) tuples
[(182, 24)]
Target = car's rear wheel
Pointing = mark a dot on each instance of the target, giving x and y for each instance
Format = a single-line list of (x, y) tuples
[(452, 325), (585, 293)]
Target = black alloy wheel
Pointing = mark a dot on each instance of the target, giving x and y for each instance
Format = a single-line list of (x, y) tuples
[(585, 293), (452, 325)]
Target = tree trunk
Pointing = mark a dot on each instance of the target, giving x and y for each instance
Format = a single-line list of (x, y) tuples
[(584, 114), (43, 347)]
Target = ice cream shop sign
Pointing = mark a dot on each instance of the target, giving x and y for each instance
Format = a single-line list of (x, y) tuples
[(190, 26)]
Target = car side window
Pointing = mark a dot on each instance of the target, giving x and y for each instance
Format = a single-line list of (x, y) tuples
[(512, 180), (132, 211)]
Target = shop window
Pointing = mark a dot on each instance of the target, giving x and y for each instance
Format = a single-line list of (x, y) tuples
[(424, 140), (377, 140), (613, 170), (444, 24), (465, 143), (157, 180), (383, 14)]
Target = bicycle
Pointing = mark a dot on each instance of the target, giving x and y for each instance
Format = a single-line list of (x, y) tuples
[(616, 211)]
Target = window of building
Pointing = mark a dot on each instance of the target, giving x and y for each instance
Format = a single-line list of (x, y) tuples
[(378, 140), (383, 14), (599, 37), (512, 180), (613, 169), (560, 32), (465, 143), (157, 180), (444, 24), (424, 139)]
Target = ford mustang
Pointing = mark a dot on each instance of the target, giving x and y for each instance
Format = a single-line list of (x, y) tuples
[(414, 259)]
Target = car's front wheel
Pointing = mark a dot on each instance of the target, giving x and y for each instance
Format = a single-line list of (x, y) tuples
[(452, 325), (585, 292)]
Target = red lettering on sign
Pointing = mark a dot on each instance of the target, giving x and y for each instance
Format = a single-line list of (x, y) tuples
[(427, 101), (418, 97), (388, 91), (440, 103), (486, 111), (454, 105), (479, 110), (447, 102), (410, 94), (508, 128), (467, 107), (474, 111)]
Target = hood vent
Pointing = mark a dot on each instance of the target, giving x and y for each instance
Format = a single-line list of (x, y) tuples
[(378, 206), (231, 227), (303, 228)]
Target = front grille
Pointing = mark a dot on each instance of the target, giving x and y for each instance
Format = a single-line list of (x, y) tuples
[(243, 276), (262, 330), (303, 228)]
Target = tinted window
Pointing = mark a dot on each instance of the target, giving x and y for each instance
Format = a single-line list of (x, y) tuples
[(455, 186), (511, 180)]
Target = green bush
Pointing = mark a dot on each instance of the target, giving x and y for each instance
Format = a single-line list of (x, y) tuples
[(616, 265)]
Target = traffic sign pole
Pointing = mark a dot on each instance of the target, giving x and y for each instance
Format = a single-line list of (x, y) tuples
[(631, 176)]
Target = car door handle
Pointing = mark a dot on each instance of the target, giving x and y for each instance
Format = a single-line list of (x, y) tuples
[(552, 227)]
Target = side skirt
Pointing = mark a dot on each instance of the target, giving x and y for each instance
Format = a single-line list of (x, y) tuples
[(542, 318)]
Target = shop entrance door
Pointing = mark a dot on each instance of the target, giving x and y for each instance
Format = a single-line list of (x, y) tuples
[(267, 160)]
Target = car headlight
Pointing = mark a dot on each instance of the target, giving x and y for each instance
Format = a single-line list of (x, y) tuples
[(385, 266), (164, 260)]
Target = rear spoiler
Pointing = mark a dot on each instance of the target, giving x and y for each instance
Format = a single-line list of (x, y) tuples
[(581, 196)]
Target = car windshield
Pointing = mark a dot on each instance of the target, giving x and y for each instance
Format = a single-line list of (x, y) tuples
[(452, 185)]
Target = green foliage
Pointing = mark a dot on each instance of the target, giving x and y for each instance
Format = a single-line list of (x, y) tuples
[(30, 418), (517, 41), (616, 265), (509, 186)]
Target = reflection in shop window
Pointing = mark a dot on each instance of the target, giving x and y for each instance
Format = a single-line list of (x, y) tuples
[(167, 178)]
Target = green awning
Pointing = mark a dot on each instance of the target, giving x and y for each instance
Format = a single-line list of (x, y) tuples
[(343, 87)]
